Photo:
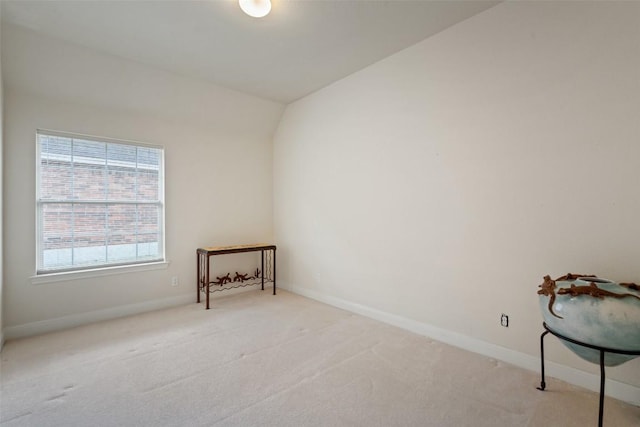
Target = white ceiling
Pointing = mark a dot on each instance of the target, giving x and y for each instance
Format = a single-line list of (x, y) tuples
[(302, 46)]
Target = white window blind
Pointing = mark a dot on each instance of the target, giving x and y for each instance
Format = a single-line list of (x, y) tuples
[(99, 203)]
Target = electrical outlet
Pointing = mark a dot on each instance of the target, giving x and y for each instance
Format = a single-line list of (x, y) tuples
[(174, 281), (504, 320)]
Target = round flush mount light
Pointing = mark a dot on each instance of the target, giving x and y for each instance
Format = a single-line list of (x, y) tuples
[(255, 8)]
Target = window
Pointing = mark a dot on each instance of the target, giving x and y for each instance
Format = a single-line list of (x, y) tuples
[(100, 202)]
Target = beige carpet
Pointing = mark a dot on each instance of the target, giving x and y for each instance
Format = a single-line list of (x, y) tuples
[(260, 360)]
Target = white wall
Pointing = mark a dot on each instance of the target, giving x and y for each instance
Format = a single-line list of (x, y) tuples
[(441, 184), (218, 166)]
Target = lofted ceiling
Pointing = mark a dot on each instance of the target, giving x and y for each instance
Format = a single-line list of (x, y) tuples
[(302, 46)]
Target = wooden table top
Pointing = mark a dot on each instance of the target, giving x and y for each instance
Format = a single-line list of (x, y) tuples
[(236, 248)]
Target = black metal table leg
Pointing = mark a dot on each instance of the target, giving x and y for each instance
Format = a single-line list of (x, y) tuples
[(206, 278), (543, 384), (198, 279), (602, 379)]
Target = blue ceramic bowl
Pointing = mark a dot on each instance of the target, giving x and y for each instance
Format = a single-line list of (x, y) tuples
[(594, 311)]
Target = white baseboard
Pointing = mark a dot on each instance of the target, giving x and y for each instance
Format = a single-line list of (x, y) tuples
[(621, 391), (66, 322)]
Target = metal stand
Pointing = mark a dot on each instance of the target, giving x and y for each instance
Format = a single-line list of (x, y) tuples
[(267, 261), (602, 351)]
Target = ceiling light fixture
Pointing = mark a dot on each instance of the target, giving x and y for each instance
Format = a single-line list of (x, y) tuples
[(255, 8)]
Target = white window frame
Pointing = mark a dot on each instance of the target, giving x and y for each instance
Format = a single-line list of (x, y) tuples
[(43, 275)]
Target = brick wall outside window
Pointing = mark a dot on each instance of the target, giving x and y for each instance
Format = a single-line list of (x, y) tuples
[(99, 203)]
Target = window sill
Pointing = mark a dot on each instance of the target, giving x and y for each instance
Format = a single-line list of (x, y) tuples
[(98, 272)]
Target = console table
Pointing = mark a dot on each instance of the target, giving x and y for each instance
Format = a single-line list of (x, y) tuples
[(204, 284)]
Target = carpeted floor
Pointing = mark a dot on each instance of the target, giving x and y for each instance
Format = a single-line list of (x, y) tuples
[(259, 360)]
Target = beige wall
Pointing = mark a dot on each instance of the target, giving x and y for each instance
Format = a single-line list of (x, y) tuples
[(437, 186), (440, 184), (218, 170)]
